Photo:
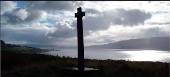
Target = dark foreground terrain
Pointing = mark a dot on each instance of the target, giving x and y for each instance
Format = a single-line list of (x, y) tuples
[(36, 65), (24, 62)]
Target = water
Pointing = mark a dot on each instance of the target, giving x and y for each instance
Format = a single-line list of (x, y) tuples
[(116, 54)]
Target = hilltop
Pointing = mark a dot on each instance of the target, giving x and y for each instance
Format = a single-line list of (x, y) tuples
[(154, 43)]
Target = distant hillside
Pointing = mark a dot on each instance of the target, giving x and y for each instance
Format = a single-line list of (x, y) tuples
[(4, 45), (19, 48), (154, 43)]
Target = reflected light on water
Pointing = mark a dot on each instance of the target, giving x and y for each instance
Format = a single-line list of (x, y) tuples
[(114, 54), (147, 55)]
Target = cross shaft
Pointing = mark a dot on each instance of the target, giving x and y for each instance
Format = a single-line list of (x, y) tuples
[(79, 16)]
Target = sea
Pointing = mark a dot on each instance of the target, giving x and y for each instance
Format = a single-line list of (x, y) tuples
[(115, 54)]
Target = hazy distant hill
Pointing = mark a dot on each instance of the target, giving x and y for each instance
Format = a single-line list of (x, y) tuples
[(19, 48), (154, 43)]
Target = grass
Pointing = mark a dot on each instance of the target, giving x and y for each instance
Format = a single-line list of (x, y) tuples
[(37, 65)]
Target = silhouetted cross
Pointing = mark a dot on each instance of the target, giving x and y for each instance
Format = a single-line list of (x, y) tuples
[(79, 16), (79, 13)]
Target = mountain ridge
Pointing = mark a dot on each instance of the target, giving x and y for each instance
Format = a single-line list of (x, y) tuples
[(153, 43)]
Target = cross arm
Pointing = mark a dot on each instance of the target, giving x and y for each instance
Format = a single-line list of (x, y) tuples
[(80, 14)]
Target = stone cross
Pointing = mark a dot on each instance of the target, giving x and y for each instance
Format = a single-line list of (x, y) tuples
[(79, 15)]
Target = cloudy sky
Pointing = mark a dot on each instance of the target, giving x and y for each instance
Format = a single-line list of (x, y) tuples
[(54, 23)]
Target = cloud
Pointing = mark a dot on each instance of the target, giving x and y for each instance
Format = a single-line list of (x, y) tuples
[(34, 34), (23, 16), (31, 36), (91, 11), (119, 32), (103, 20), (36, 15), (7, 6), (53, 22), (53, 5), (132, 17), (141, 5), (63, 32), (159, 18), (159, 23), (157, 32), (37, 34)]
